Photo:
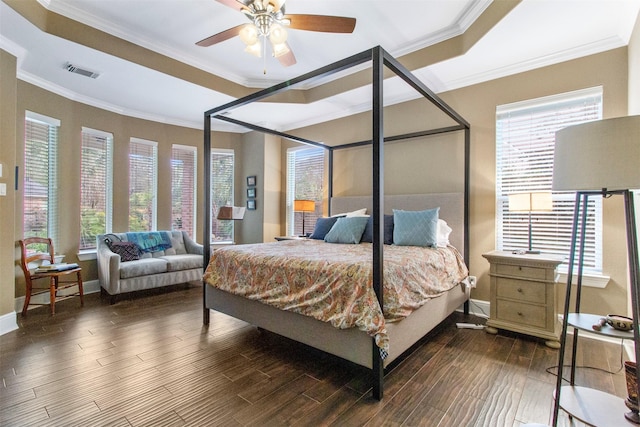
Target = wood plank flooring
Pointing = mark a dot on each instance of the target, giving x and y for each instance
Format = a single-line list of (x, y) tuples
[(148, 360)]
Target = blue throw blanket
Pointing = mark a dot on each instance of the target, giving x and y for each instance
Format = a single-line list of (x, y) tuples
[(150, 241)]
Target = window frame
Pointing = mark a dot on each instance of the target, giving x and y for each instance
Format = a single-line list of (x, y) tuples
[(108, 188), (293, 223), (139, 143), (213, 208), (539, 174), (53, 126), (190, 151)]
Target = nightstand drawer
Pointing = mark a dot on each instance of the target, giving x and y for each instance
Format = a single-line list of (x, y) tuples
[(521, 290), (525, 314), (521, 271)]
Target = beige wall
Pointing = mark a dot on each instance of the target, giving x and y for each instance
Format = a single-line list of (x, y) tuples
[(73, 117), (405, 162), (425, 165), (8, 99), (634, 70)]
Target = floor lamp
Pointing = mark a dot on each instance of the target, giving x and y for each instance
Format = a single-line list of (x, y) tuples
[(598, 159)]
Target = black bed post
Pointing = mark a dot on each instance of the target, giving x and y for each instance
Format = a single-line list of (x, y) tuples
[(206, 227), (378, 206), (467, 155), (330, 181)]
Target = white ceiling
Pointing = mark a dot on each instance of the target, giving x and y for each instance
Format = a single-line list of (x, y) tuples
[(535, 33)]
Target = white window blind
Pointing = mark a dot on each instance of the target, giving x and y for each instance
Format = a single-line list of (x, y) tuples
[(40, 201), (143, 181), (305, 179), (525, 138), (222, 169), (183, 188), (96, 180)]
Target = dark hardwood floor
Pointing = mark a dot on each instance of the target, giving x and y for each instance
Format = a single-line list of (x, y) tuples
[(148, 360)]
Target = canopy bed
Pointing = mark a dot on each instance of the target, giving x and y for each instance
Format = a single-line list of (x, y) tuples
[(377, 339)]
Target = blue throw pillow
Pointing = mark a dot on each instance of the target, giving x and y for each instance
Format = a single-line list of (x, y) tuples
[(323, 225), (367, 236), (415, 228), (347, 230)]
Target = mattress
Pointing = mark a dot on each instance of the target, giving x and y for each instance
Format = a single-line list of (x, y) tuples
[(333, 282)]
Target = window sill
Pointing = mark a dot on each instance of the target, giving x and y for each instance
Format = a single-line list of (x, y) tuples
[(87, 255), (589, 280)]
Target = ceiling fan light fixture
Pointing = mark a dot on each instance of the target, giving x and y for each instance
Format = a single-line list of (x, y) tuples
[(277, 34), (254, 49), (249, 35), (280, 49)]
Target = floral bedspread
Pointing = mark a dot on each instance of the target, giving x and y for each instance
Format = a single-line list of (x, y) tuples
[(333, 282)]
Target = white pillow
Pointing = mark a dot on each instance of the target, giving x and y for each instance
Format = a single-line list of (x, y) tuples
[(443, 233), (359, 212)]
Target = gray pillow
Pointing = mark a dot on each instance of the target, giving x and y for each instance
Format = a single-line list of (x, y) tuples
[(415, 228), (347, 230), (323, 225)]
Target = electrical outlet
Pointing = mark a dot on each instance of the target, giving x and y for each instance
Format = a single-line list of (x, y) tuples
[(3, 189)]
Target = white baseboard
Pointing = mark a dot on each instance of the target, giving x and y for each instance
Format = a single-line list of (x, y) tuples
[(8, 323), (90, 287), (478, 308)]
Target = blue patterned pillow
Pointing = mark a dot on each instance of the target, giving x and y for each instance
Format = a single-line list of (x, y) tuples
[(347, 230), (415, 228), (367, 236), (323, 225)]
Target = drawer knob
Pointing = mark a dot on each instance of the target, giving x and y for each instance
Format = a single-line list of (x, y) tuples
[(520, 268), (520, 290), (519, 313)]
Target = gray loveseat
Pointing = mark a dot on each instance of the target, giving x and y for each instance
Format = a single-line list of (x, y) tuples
[(180, 263)]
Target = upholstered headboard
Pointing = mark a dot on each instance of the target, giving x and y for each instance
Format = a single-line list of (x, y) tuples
[(451, 208)]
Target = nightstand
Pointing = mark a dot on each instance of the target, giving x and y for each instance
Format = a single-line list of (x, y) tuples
[(523, 294)]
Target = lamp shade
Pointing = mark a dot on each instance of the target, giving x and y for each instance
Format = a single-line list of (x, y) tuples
[(528, 202), (304, 205), (231, 212), (596, 155)]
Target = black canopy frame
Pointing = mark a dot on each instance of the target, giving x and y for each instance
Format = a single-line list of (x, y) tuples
[(380, 59)]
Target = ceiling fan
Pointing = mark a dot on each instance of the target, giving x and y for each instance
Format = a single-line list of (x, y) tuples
[(268, 21)]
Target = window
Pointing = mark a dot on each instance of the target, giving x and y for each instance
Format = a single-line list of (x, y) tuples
[(305, 178), (183, 188), (143, 184), (525, 138), (222, 166), (96, 180), (40, 202)]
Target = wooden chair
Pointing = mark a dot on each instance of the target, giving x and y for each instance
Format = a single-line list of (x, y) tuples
[(53, 278)]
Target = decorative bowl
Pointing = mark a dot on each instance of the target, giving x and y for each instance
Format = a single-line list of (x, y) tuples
[(621, 323)]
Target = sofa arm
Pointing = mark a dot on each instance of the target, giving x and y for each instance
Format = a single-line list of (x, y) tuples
[(191, 246), (108, 267)]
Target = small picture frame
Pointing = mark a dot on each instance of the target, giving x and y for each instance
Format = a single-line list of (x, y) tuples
[(251, 192), (251, 205), (251, 181)]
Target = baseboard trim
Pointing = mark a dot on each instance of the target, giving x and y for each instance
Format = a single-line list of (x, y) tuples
[(90, 287), (8, 323)]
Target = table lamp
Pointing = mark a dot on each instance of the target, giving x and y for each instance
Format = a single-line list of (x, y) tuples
[(304, 206), (599, 159), (530, 202), (231, 212)]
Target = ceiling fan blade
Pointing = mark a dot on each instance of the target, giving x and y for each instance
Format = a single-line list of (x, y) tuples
[(220, 37), (278, 4), (288, 58), (233, 4), (322, 23)]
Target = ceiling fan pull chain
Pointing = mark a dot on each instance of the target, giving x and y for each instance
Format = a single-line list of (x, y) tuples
[(264, 56)]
